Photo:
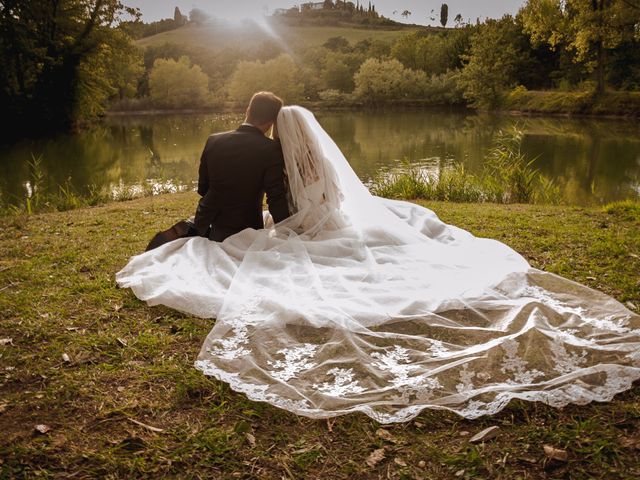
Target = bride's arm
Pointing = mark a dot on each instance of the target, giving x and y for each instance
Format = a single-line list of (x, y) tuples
[(274, 186)]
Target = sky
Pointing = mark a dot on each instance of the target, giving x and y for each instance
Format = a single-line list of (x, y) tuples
[(420, 9)]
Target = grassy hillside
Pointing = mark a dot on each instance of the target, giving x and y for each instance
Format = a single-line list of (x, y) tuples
[(113, 381), (219, 37)]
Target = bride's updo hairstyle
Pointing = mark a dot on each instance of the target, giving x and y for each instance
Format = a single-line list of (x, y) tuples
[(263, 108)]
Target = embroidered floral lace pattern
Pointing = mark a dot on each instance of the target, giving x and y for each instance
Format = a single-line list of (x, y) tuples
[(234, 346), (516, 365), (565, 362), (548, 350), (343, 383), (296, 360), (466, 379), (398, 364)]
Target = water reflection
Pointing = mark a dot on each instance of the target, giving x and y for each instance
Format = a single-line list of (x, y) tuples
[(593, 161)]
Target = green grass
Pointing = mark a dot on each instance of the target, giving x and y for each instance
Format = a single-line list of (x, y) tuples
[(220, 37), (558, 102), (132, 362)]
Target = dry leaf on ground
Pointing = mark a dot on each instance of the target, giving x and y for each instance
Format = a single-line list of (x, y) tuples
[(486, 434), (555, 453), (42, 428), (375, 457)]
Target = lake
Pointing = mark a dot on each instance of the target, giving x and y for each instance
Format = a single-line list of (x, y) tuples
[(593, 160)]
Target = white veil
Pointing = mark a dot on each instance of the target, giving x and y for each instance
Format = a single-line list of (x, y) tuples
[(356, 303)]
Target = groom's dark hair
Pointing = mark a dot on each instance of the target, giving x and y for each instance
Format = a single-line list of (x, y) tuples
[(263, 108)]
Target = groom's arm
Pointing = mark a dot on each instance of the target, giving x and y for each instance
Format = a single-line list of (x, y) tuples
[(274, 186), (203, 170)]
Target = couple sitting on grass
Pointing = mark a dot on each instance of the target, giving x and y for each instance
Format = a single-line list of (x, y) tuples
[(335, 301)]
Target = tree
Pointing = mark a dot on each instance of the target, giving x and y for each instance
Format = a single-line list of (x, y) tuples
[(492, 63), (125, 71), (279, 75), (337, 71), (404, 49), (458, 20), (337, 44), (434, 54), (55, 61), (199, 17), (178, 18), (444, 14), (177, 83), (589, 29), (406, 14), (382, 80)]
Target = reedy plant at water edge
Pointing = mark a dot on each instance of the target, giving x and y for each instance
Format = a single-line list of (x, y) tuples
[(508, 176), (511, 176), (452, 184)]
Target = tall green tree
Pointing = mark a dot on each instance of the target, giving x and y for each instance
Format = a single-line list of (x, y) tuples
[(55, 60), (444, 14), (492, 64), (178, 17), (590, 29)]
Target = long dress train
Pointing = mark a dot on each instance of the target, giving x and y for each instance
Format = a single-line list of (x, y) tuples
[(358, 303)]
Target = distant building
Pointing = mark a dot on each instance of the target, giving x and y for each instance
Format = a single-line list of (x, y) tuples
[(312, 6), (279, 11)]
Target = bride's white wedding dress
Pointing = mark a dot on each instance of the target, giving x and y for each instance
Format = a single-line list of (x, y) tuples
[(357, 303)]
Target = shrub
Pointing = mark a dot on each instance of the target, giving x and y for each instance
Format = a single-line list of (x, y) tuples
[(332, 96), (382, 80), (279, 75), (177, 83), (444, 89)]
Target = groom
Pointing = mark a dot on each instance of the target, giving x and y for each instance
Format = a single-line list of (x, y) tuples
[(236, 169)]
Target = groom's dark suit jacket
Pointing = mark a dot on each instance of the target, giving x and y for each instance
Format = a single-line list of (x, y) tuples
[(236, 169)]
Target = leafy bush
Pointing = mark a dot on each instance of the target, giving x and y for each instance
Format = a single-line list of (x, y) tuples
[(177, 84), (279, 75), (444, 89), (382, 80)]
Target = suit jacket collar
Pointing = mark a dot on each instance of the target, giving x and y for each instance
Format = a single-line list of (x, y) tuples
[(249, 129)]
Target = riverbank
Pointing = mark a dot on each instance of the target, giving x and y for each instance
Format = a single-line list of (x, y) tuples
[(111, 384), (610, 104), (318, 105), (517, 102)]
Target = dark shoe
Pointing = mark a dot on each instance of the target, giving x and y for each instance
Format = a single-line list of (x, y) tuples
[(179, 230)]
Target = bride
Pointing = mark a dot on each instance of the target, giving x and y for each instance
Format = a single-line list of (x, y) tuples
[(358, 303)]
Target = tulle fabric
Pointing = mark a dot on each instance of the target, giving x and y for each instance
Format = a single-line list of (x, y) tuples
[(358, 303)]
